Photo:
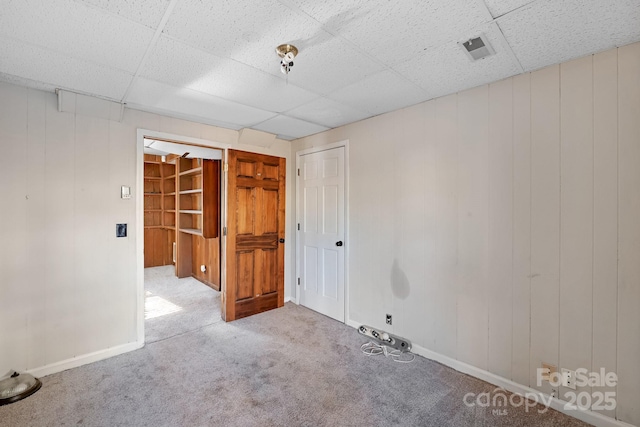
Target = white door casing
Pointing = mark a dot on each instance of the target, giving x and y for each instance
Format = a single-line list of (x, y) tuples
[(321, 235)]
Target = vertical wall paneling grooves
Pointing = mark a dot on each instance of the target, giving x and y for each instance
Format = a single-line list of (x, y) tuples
[(446, 201), (91, 222), (605, 213), (13, 126), (431, 286), (500, 232), (628, 341), (384, 244), (122, 297), (576, 207), (521, 274), (472, 310), (545, 219), (409, 272), (397, 274), (60, 293), (36, 219)]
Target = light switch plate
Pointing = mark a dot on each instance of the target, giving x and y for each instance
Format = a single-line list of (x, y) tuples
[(121, 230)]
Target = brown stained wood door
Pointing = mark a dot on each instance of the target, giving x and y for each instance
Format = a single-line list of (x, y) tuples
[(255, 254)]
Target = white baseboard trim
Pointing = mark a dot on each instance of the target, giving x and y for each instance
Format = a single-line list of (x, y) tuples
[(587, 416), (84, 359), (287, 299), (353, 323)]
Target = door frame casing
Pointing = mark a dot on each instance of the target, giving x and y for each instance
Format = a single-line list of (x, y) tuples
[(298, 256), (139, 222)]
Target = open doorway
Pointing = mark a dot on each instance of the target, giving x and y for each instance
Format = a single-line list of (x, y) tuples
[(182, 237)]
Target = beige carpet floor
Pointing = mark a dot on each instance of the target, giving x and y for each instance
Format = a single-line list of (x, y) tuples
[(285, 367), (196, 305)]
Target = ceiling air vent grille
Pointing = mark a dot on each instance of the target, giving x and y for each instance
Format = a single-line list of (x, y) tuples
[(477, 48)]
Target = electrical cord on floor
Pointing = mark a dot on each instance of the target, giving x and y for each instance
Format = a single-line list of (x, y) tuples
[(373, 349)]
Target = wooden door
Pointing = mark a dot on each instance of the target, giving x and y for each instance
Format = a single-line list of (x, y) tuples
[(255, 235), (321, 216)]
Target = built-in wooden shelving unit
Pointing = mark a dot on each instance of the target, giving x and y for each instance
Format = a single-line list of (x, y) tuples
[(182, 216), (159, 210), (198, 204)]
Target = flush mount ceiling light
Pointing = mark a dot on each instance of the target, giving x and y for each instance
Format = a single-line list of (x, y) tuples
[(287, 52)]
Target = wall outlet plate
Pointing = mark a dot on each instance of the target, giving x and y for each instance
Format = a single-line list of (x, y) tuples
[(569, 378), (547, 370), (384, 338), (388, 319)]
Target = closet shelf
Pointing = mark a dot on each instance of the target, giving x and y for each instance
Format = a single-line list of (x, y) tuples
[(191, 231), (193, 171)]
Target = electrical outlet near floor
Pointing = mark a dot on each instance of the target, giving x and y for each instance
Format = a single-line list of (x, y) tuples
[(388, 319), (547, 370), (569, 378)]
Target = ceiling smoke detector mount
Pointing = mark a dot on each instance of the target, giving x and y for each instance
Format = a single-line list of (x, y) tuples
[(477, 48), (287, 52)]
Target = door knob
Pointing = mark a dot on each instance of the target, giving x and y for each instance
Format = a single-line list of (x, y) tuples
[(281, 240), (339, 243)]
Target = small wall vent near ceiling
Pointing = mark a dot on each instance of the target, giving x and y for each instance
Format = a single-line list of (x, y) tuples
[(477, 48)]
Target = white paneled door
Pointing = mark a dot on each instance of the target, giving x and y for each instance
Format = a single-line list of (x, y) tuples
[(321, 235)]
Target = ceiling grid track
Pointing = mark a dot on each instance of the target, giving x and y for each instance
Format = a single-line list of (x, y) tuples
[(509, 50), (494, 22), (152, 45)]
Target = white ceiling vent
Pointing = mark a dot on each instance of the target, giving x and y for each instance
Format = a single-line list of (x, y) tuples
[(477, 48)]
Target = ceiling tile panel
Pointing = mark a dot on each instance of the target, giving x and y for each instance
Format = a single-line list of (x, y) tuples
[(396, 31), (194, 104), (145, 12), (22, 81), (336, 14), (245, 30), (549, 31), (328, 113), (326, 64), (289, 127), (35, 63), (379, 93), (501, 7), (177, 64), (77, 30), (447, 69)]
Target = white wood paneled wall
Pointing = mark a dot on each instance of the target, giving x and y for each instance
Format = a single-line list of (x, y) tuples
[(68, 286), (512, 211), (628, 319)]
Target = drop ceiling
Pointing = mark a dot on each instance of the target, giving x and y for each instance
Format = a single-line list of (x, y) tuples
[(213, 61)]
